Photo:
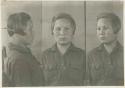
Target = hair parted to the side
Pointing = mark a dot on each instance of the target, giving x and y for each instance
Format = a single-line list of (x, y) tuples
[(63, 16), (115, 20), (17, 23)]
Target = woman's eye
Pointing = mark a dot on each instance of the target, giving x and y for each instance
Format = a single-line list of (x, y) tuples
[(98, 28), (58, 29), (66, 29), (105, 28)]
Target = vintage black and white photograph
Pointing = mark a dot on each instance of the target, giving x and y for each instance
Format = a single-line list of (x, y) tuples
[(62, 43)]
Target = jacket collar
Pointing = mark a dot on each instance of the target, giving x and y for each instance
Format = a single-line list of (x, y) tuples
[(71, 48), (117, 47), (19, 48)]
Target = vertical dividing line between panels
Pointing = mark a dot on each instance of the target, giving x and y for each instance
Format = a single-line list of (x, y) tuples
[(41, 26), (85, 21), (85, 35)]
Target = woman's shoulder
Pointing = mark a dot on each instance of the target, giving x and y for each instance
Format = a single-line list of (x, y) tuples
[(95, 51)]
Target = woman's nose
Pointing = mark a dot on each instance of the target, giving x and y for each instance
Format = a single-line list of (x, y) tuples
[(62, 31), (102, 31)]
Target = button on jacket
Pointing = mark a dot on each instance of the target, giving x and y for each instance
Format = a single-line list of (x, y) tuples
[(104, 68), (21, 67), (64, 70)]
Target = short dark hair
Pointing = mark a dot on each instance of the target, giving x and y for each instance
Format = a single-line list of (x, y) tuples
[(115, 20), (63, 16), (16, 23)]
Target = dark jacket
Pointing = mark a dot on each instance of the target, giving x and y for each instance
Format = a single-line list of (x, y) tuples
[(64, 70), (21, 67), (104, 68)]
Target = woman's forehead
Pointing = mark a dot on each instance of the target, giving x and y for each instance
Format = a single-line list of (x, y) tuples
[(104, 21), (62, 21)]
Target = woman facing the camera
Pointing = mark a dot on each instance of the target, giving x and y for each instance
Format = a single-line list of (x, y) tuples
[(63, 63)]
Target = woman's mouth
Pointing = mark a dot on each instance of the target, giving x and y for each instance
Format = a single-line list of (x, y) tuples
[(102, 38)]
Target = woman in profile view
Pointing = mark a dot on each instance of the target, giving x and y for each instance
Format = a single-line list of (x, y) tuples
[(21, 67)]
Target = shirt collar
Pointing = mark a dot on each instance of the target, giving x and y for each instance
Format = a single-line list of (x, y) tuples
[(117, 47), (71, 48), (12, 46)]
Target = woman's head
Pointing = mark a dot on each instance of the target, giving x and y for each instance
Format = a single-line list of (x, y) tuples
[(63, 16), (114, 19), (63, 28), (108, 26), (21, 24), (17, 23)]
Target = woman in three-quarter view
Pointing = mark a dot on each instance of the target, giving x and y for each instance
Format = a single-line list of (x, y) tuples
[(105, 64)]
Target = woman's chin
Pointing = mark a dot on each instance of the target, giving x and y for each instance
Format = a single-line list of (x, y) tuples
[(63, 43)]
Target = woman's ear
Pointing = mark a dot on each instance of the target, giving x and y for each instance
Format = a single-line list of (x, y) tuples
[(11, 33), (21, 32), (52, 32)]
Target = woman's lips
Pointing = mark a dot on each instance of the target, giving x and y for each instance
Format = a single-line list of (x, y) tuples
[(102, 38), (62, 38)]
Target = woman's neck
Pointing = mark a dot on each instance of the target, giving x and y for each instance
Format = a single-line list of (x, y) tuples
[(63, 48), (18, 40), (109, 47)]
